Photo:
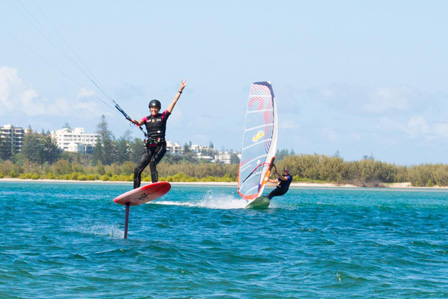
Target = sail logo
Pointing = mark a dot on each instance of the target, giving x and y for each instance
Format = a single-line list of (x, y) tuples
[(258, 136)]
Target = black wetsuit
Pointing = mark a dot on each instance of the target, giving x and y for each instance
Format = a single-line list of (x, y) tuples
[(282, 188), (155, 147)]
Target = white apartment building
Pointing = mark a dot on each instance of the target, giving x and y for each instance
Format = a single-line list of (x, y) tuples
[(74, 140), (14, 136), (173, 148), (200, 156), (224, 157), (198, 148)]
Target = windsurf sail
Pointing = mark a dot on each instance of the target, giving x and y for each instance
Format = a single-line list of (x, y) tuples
[(259, 141)]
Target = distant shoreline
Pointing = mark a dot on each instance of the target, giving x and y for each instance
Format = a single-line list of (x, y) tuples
[(406, 185)]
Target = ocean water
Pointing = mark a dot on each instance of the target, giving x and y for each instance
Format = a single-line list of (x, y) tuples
[(66, 240)]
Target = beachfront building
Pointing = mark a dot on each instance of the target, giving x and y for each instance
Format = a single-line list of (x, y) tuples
[(75, 140), (225, 157), (13, 136), (173, 148), (195, 148), (204, 152), (201, 156)]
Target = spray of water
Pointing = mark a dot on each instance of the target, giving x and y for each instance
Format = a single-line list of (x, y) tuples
[(209, 201), (111, 231)]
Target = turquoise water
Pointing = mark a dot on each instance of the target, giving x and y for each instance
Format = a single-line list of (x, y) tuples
[(65, 239)]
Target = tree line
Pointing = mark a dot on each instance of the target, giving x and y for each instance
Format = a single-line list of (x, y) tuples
[(115, 159), (365, 173), (304, 168)]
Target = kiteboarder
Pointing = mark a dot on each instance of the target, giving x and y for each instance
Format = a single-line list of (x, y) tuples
[(283, 182), (155, 142)]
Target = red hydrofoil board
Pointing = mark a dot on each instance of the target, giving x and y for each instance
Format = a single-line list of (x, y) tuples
[(143, 194)]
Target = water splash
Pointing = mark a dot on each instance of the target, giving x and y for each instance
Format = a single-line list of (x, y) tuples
[(101, 230), (210, 201)]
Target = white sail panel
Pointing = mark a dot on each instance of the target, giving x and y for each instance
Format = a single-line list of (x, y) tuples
[(259, 140)]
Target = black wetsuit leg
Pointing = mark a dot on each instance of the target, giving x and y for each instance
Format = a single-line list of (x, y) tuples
[(277, 192), (157, 154), (152, 157), (144, 161)]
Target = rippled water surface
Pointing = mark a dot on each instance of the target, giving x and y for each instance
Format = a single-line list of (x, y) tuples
[(65, 239)]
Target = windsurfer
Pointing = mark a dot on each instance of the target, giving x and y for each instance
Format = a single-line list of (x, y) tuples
[(283, 182), (155, 143)]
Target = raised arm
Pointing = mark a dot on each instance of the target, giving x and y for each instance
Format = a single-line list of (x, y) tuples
[(281, 177), (274, 172), (173, 103)]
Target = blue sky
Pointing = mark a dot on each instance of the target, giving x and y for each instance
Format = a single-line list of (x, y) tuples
[(361, 77)]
